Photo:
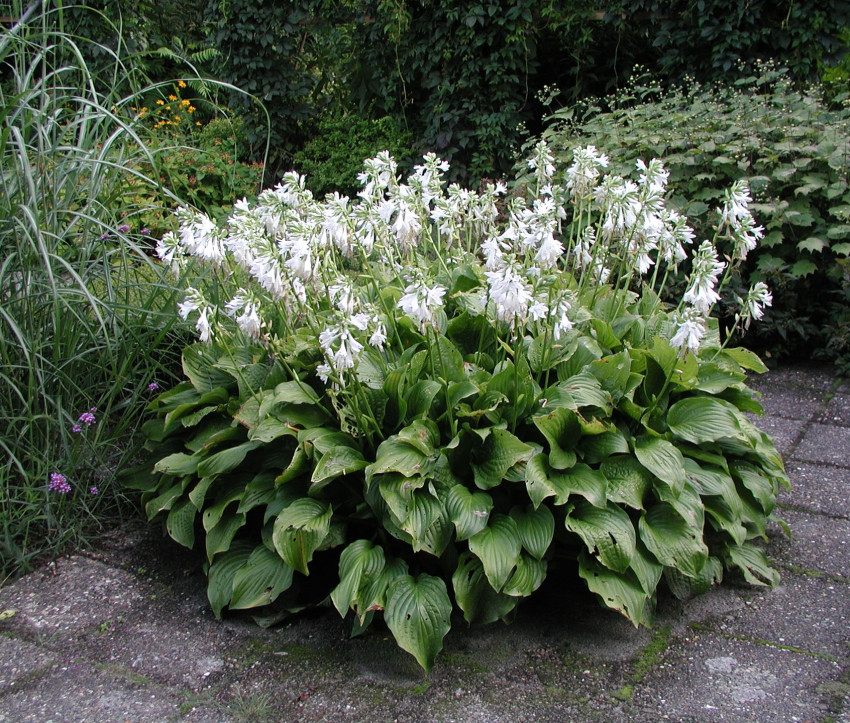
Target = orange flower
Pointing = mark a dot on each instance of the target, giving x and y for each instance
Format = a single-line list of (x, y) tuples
[(181, 84), (159, 101), (172, 97)]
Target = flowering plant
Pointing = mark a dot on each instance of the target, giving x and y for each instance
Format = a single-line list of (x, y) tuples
[(434, 390)]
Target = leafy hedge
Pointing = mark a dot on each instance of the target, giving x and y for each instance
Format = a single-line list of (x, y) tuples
[(427, 398), (794, 153)]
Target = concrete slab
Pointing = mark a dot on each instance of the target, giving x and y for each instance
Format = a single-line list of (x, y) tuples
[(72, 595), (837, 411), (825, 444), (802, 612), (812, 375), (20, 661), (710, 677), (818, 544), (791, 402), (818, 488)]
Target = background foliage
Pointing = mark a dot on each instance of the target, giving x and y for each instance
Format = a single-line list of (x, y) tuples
[(794, 152)]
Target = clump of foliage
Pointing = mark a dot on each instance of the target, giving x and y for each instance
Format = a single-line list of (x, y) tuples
[(428, 397), (85, 312), (793, 151), (332, 158)]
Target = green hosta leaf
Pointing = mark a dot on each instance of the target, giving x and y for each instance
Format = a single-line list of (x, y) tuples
[(213, 433), (594, 449), (663, 459), (427, 523), (686, 502), (474, 594), (334, 463), (586, 391), (178, 464), (164, 501), (684, 587), (295, 392), (714, 379), (420, 397), (536, 528), (324, 439), (263, 577), (421, 434), (447, 361), (618, 591), (613, 373), (673, 542), (299, 465), (562, 430), (458, 391), (753, 563), (199, 366), (759, 486), (542, 481), (500, 451), (299, 530), (180, 523), (417, 614), (271, 428), (529, 575), (199, 493), (396, 455), (397, 491), (226, 460), (745, 358), (544, 353), (259, 491), (359, 565), (220, 537), (498, 547), (702, 419), (223, 571), (607, 532), (627, 480), (646, 569), (469, 511)]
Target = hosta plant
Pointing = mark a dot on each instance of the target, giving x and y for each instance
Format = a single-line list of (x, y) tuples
[(427, 399)]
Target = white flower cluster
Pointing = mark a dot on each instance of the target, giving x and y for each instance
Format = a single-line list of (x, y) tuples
[(346, 268)]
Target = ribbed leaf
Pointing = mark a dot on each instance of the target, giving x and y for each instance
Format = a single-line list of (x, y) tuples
[(474, 594), (427, 523), (753, 563), (222, 573), (469, 511), (261, 580), (673, 542), (334, 463), (179, 464), (663, 459), (226, 460), (618, 591), (497, 546), (396, 455), (541, 482), (536, 528), (528, 576), (500, 451), (417, 614), (562, 431), (299, 531), (628, 480), (180, 523), (607, 532), (219, 537), (702, 419), (360, 563)]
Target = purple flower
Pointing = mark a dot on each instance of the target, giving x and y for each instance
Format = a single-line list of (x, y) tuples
[(76, 429), (59, 483), (93, 490), (153, 386), (123, 228), (104, 236), (145, 231), (87, 418)]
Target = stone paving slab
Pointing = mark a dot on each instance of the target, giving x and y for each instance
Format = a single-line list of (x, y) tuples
[(818, 544), (784, 432), (825, 444), (710, 677), (73, 595), (818, 488), (805, 613), (837, 411), (21, 661)]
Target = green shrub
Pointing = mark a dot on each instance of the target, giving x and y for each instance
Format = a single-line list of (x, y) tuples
[(792, 150), (332, 158), (432, 389)]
